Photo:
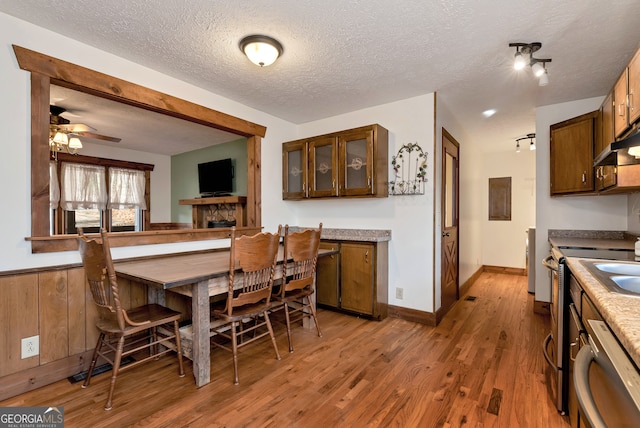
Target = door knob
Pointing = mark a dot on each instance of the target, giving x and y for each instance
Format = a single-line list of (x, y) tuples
[(444, 234)]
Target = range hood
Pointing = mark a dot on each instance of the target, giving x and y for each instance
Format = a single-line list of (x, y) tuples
[(617, 153)]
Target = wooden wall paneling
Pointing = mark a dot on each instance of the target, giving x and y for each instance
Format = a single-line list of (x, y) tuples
[(54, 321), (137, 294), (180, 303), (77, 311), (124, 286), (19, 319)]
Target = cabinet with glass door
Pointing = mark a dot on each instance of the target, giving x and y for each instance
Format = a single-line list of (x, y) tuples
[(351, 163)]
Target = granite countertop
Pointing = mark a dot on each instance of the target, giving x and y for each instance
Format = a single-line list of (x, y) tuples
[(362, 235), (621, 312)]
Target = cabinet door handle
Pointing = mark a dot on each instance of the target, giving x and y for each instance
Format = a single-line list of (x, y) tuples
[(366, 256), (333, 184), (598, 172), (584, 177), (630, 101), (621, 110)]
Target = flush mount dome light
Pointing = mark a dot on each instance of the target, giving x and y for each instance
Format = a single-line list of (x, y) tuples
[(261, 50)]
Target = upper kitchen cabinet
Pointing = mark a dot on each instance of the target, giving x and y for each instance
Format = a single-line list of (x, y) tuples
[(634, 88), (323, 167), (572, 146), (294, 176), (621, 114), (627, 96), (605, 174), (350, 163)]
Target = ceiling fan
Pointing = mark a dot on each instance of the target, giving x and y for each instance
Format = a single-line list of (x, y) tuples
[(58, 123)]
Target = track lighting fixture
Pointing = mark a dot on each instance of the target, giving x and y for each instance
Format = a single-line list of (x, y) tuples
[(532, 145), (537, 65)]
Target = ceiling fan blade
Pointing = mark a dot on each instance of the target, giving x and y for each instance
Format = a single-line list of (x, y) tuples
[(75, 127), (89, 134)]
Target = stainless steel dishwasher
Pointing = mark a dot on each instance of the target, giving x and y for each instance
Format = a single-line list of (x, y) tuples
[(607, 384)]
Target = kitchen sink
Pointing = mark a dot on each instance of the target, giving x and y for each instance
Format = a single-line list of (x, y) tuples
[(628, 283), (619, 268), (617, 277)]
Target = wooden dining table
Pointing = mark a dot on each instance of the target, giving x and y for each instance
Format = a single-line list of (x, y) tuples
[(199, 276)]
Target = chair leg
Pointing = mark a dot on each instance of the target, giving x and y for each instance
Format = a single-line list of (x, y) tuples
[(176, 329), (115, 369), (288, 320), (94, 360), (154, 338), (273, 337), (234, 347), (313, 314)]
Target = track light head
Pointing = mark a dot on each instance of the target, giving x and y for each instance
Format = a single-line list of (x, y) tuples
[(537, 64), (519, 61)]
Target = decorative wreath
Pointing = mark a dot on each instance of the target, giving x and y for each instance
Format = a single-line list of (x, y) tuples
[(421, 161)]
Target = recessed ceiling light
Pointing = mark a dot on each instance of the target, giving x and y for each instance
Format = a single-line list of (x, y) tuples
[(489, 113)]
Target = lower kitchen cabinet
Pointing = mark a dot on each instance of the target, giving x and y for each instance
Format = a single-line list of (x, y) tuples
[(328, 276), (357, 280)]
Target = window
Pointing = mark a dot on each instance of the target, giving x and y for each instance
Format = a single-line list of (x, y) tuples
[(96, 195)]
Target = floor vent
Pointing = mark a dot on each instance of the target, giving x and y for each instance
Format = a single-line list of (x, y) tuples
[(99, 369), (470, 298)]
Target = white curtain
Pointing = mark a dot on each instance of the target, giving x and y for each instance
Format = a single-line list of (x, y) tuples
[(54, 186), (83, 187), (126, 189)]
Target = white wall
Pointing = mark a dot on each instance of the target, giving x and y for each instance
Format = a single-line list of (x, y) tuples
[(469, 230), (410, 218), (633, 213), (505, 240), (569, 212)]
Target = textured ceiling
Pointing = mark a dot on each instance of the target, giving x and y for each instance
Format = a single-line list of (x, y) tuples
[(341, 56)]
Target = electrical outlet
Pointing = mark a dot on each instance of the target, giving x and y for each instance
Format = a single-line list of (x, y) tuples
[(30, 346), (399, 293)]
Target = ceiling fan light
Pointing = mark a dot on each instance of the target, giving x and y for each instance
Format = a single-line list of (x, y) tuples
[(261, 50), (75, 143), (537, 69), (519, 61), (61, 138)]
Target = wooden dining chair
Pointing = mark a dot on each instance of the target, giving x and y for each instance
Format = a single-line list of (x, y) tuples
[(299, 272), (124, 332), (252, 268)]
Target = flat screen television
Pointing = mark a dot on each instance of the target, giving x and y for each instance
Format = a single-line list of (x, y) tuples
[(215, 178)]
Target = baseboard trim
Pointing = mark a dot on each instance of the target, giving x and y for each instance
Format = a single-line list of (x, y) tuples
[(27, 380), (506, 270), (412, 315), (542, 308)]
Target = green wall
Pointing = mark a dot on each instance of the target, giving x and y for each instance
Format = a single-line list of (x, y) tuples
[(184, 174)]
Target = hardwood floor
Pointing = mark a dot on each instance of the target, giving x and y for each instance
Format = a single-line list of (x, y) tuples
[(482, 366)]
